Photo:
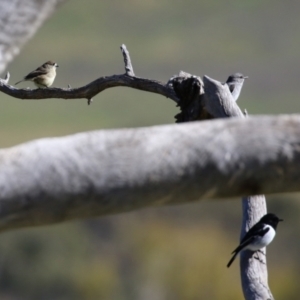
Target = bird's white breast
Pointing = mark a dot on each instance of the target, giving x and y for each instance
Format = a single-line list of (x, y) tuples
[(263, 241)]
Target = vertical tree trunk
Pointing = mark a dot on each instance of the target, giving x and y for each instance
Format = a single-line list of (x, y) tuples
[(254, 273), (214, 100)]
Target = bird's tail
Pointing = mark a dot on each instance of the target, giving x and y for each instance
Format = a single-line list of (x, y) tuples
[(19, 81), (232, 259)]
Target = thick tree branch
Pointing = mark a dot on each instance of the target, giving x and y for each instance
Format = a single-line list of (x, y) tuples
[(104, 172)]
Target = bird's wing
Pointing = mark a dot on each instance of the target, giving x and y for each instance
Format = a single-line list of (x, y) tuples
[(39, 71), (259, 229), (256, 231)]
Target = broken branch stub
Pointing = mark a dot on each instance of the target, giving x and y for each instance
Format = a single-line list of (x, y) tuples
[(202, 100)]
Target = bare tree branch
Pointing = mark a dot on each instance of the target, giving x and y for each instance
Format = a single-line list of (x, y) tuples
[(104, 172), (91, 89)]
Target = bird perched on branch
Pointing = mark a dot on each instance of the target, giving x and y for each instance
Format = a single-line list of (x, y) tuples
[(258, 236), (235, 84), (43, 76)]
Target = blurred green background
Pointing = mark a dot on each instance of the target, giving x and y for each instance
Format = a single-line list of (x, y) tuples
[(163, 253)]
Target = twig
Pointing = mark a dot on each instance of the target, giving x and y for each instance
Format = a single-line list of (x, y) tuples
[(6, 78), (127, 61)]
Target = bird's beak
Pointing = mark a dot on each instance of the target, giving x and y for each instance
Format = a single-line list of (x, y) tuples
[(245, 77), (280, 220)]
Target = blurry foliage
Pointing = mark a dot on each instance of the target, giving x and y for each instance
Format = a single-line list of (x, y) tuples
[(163, 253), (142, 256), (161, 261)]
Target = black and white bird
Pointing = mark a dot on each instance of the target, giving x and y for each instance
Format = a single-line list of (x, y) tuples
[(235, 83), (259, 235)]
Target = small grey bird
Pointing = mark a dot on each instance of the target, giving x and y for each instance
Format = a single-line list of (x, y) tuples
[(235, 84), (43, 76)]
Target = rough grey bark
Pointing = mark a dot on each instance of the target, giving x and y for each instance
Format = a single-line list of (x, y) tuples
[(19, 20), (112, 171), (254, 272)]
